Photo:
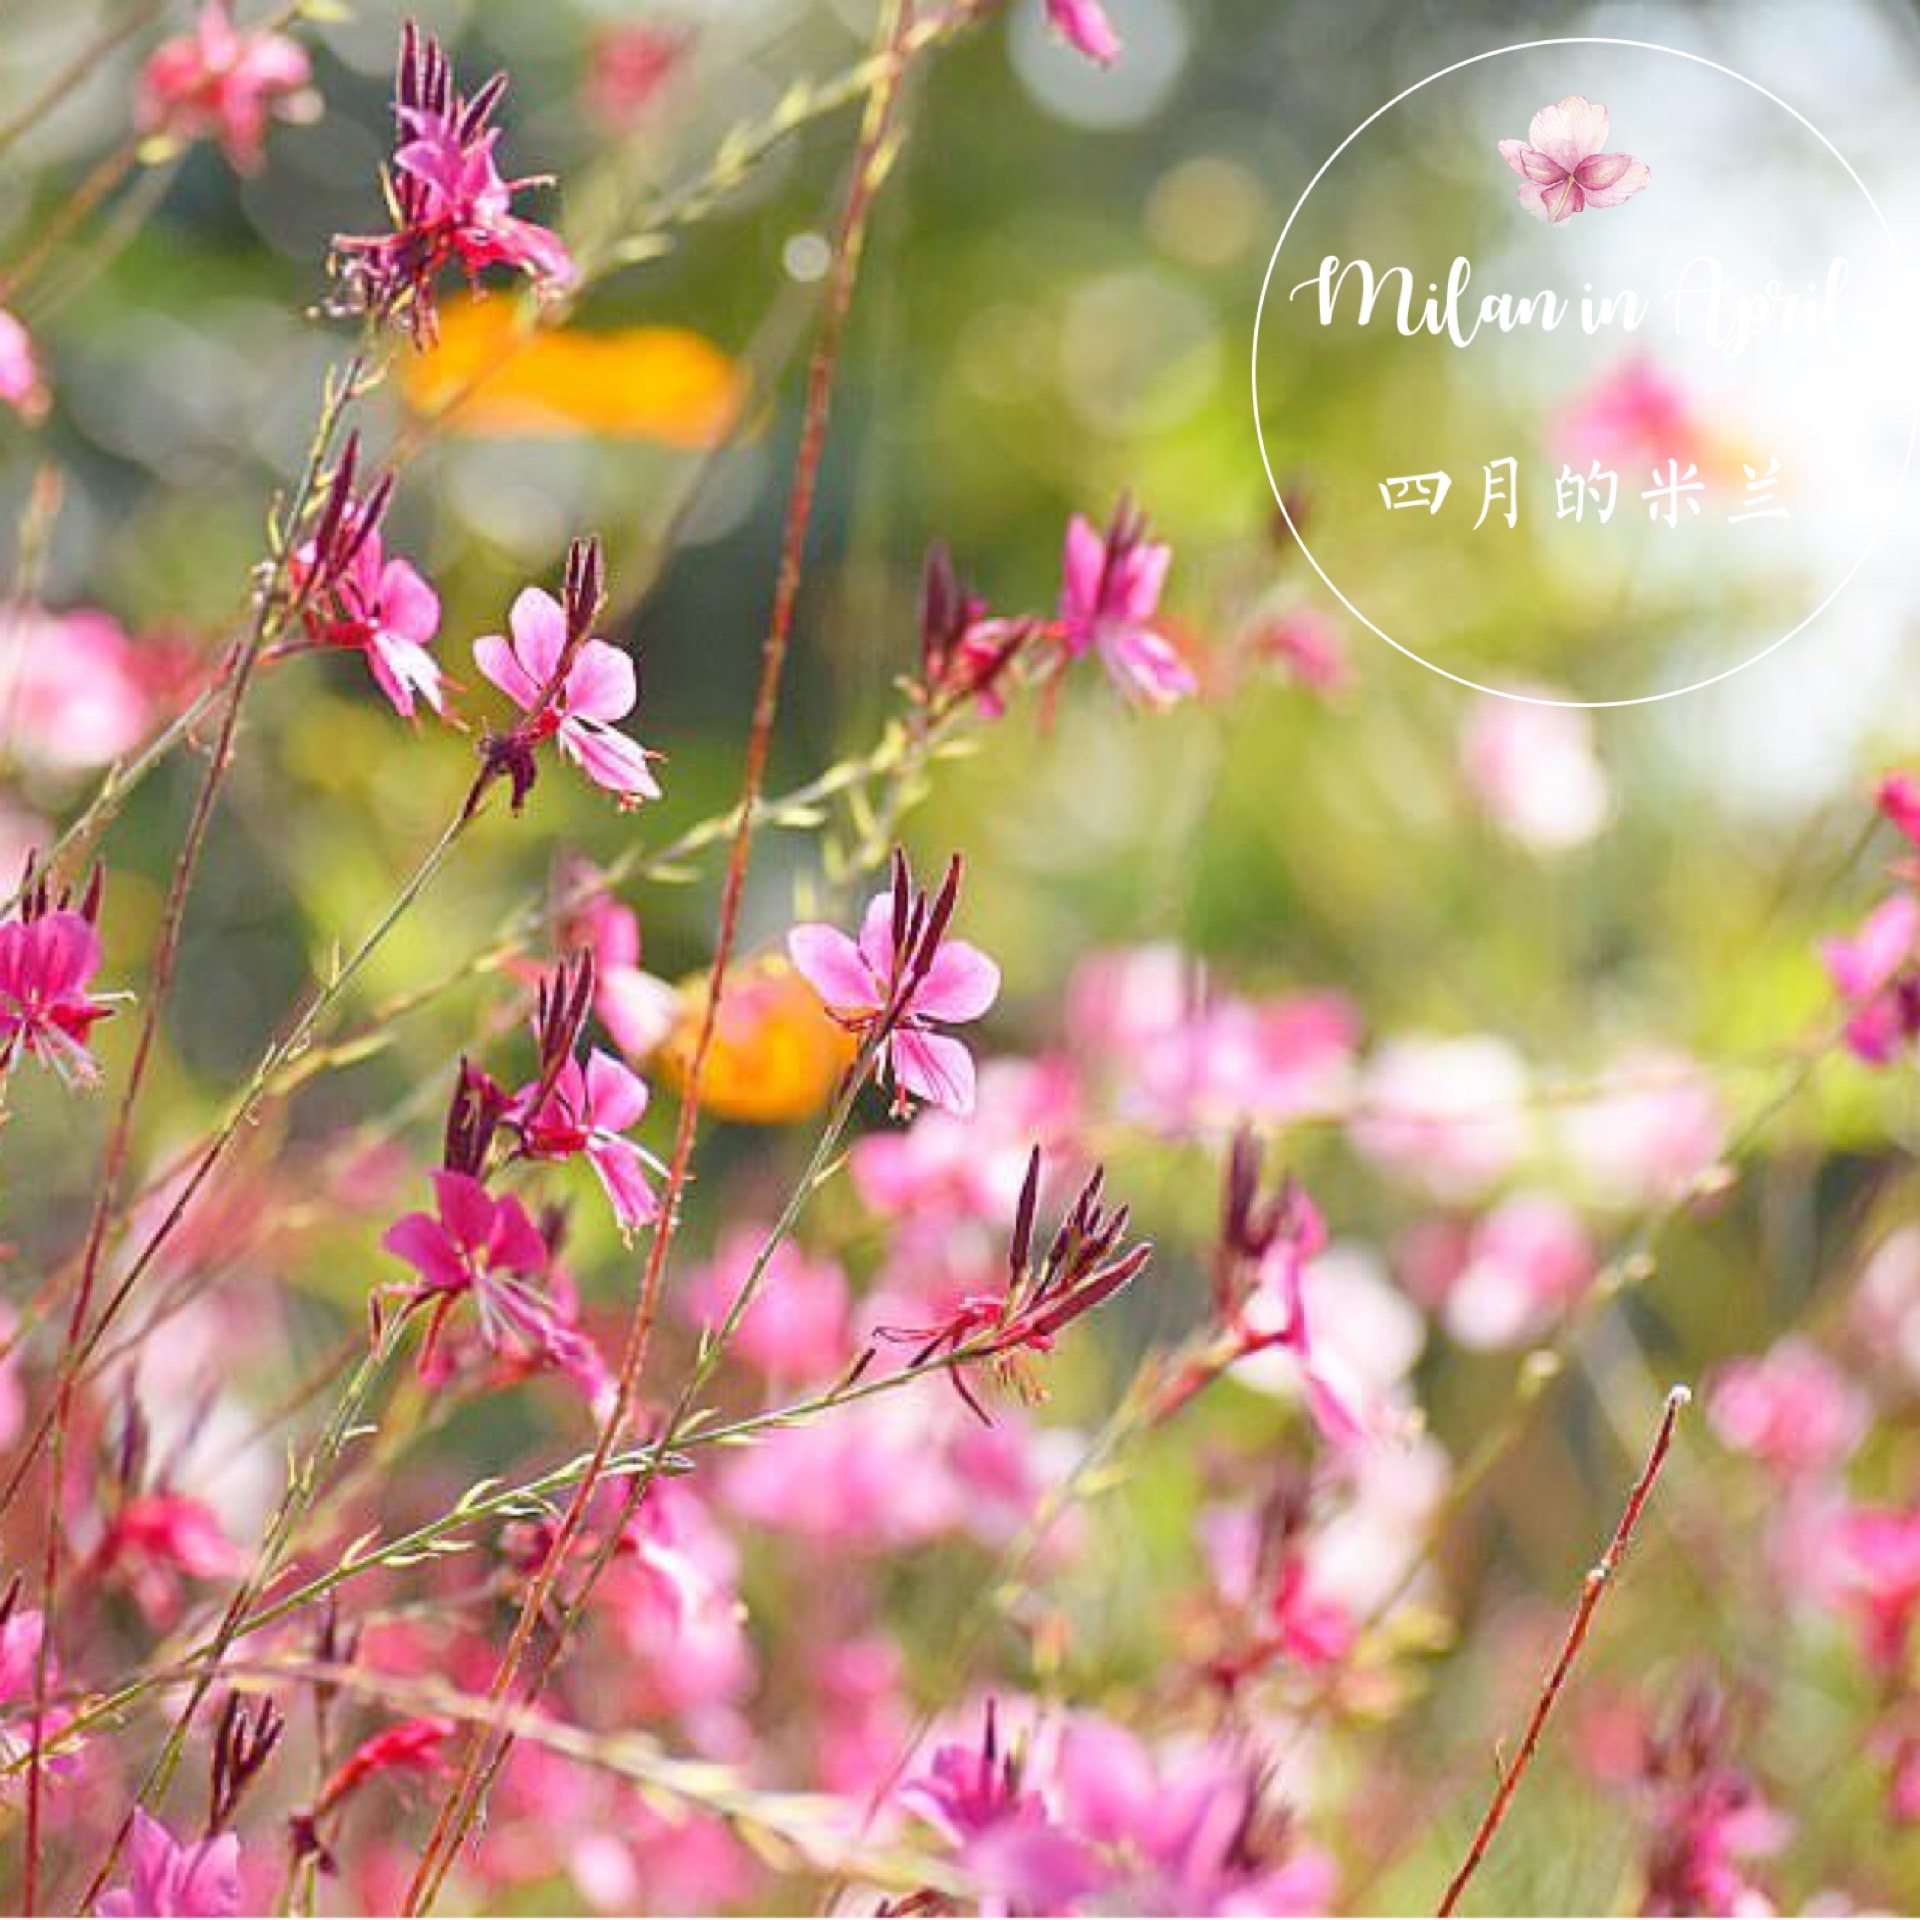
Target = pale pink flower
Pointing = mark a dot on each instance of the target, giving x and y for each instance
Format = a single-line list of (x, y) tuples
[(167, 1877), (588, 1110), (1875, 975), (1524, 1265), (898, 979), (1533, 770), (21, 385), (599, 688), (637, 1008), (1084, 25), (71, 690), (1792, 1409), (798, 1325), (47, 1013), (1562, 168), (1447, 1115), (1308, 647), (633, 64), (1654, 1132), (1109, 595), (387, 611), (221, 83)]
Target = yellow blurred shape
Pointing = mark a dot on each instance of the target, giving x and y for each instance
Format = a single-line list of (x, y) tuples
[(494, 375), (776, 1054)]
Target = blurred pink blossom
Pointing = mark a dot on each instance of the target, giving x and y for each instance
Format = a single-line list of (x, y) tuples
[(1653, 1131), (1534, 772), (21, 386), (71, 690), (1445, 1115), (1516, 1271), (1792, 1409), (1636, 415), (1084, 25), (219, 82), (1874, 974), (797, 1327)]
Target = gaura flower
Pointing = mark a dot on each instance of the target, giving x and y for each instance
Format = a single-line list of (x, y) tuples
[(1875, 974), (1086, 1263), (168, 1877), (901, 976), (1562, 170), (570, 686), (48, 957), (353, 596), (572, 1109), (448, 200), (223, 84), (1109, 594), (477, 1244), (1084, 26)]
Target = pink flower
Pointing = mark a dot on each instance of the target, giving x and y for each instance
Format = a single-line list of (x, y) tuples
[(1308, 647), (636, 1007), (161, 1537), (1635, 413), (1084, 25), (1792, 1410), (797, 1327), (1525, 1264), (1562, 170), (450, 203), (47, 962), (477, 1246), (587, 1111), (1877, 1570), (21, 386), (571, 689), (1534, 771), (1109, 594), (900, 977), (633, 63), (166, 1877), (1874, 974), (220, 83), (1898, 798), (1654, 1131), (1446, 1114), (71, 693), (386, 610)]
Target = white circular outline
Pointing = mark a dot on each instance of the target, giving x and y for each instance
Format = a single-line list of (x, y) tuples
[(1496, 53)]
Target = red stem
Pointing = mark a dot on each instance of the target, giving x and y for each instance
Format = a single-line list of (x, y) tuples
[(1596, 1583)]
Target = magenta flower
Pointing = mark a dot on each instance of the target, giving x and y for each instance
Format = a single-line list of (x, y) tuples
[(902, 975), (475, 1245), (168, 1877), (1562, 170), (1898, 799), (1874, 973), (48, 958), (223, 84), (21, 386), (572, 688), (1084, 26), (386, 610), (450, 204), (1109, 594), (588, 1111)]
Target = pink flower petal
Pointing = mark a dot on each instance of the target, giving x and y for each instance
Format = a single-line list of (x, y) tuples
[(961, 984), (834, 968), (933, 1067), (1568, 132), (1629, 181), (408, 606), (609, 759), (622, 1173), (601, 684), (616, 1095)]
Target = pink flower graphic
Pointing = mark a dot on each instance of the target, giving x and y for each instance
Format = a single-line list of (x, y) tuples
[(1561, 167)]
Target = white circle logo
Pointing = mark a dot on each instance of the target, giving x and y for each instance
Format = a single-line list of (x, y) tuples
[(1589, 358)]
